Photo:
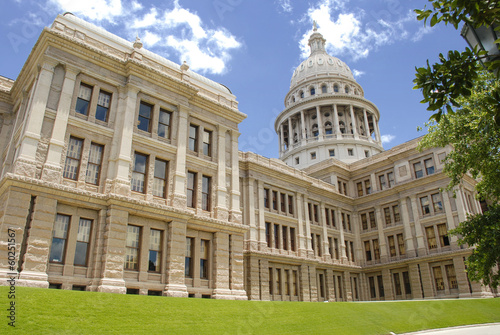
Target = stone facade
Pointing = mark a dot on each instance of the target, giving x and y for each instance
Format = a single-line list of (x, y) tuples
[(120, 172)]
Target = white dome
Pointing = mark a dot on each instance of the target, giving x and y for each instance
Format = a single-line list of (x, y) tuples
[(320, 64)]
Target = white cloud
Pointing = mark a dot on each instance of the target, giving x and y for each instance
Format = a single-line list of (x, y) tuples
[(357, 73), (387, 138), (421, 32), (286, 6), (353, 31), (166, 31), (97, 10)]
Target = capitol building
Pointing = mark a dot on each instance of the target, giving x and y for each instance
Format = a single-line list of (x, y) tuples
[(120, 172)]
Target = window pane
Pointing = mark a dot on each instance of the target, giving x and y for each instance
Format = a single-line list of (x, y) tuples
[(83, 100), (133, 236), (164, 124), (140, 163), (81, 253), (103, 106), (94, 165), (84, 230), (61, 226), (144, 116)]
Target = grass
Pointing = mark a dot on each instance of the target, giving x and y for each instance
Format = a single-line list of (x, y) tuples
[(43, 311)]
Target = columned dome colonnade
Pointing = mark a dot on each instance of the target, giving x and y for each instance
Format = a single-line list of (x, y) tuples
[(325, 113)]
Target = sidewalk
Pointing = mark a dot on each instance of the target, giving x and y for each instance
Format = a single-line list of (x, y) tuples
[(483, 329)]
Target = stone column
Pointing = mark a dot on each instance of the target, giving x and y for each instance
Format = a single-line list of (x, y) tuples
[(235, 211), (253, 283), (307, 231), (220, 209), (281, 140), (410, 247), (449, 218), (176, 254), (302, 239), (461, 209), (303, 125), (346, 280), (52, 169), (290, 134), (354, 123), (264, 280), (388, 289), (320, 123), (421, 248), (367, 126), (330, 284), (121, 150), (377, 130), (221, 266), (324, 245), (336, 122), (342, 249), (427, 281), (237, 276), (460, 272), (25, 163), (384, 255), (416, 286), (115, 237), (179, 198), (305, 292)]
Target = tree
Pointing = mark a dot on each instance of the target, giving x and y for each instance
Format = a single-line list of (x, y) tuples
[(453, 76), (483, 231), (475, 139), (474, 136)]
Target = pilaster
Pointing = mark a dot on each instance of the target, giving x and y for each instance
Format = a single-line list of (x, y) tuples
[(176, 245), (178, 198), (221, 211)]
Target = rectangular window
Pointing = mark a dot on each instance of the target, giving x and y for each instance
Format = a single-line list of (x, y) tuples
[(343, 221), (207, 142), (164, 123), (276, 236), (451, 276), (373, 293), (368, 187), (278, 281), (154, 250), (424, 204), (59, 236), (437, 205), (292, 239), (392, 245), (83, 100), (359, 186), (401, 244), (94, 164), (103, 102), (438, 278), (268, 234), (336, 244), (334, 222), (295, 282), (82, 242), (287, 282), (271, 281), (266, 198), (139, 173), (319, 245), (284, 231), (397, 284), (206, 185), (204, 259), (188, 257), (373, 223), (431, 237), (160, 180), (132, 248), (193, 138), (330, 246), (387, 216), (352, 251), (275, 200), (417, 168), (364, 221), (315, 210), (395, 211), (290, 204), (73, 156), (382, 182), (429, 166), (283, 202), (443, 235), (191, 189), (368, 251), (327, 216), (390, 179), (145, 116), (331, 152)]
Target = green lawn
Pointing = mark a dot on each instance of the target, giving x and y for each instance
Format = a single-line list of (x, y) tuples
[(43, 311)]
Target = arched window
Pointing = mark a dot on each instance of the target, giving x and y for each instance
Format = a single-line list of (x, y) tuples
[(293, 98), (323, 89), (301, 94), (313, 91), (315, 130), (336, 88), (347, 89), (342, 127), (328, 128)]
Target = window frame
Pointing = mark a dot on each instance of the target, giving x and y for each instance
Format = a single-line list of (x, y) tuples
[(67, 173), (135, 172), (131, 250), (79, 242), (147, 119)]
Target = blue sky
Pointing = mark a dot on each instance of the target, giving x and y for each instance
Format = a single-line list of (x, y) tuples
[(253, 47)]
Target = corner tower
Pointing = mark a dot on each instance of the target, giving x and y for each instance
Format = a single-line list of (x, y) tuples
[(326, 114)]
